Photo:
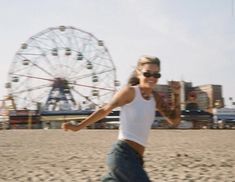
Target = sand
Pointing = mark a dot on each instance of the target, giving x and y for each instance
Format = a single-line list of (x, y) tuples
[(171, 155)]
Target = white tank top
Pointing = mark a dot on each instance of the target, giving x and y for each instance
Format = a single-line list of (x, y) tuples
[(136, 118)]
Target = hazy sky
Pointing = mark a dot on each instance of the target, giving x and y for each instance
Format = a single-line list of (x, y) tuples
[(195, 39)]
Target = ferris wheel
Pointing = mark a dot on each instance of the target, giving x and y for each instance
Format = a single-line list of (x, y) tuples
[(62, 68)]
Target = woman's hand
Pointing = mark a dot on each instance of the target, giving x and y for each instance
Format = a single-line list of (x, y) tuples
[(175, 87), (69, 126)]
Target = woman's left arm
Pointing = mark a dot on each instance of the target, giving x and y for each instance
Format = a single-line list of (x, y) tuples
[(173, 113)]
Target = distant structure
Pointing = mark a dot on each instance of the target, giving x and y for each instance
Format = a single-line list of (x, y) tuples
[(204, 97)]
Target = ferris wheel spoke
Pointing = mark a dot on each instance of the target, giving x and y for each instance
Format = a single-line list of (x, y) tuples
[(88, 40), (58, 57), (27, 102), (22, 99), (21, 55), (17, 70), (75, 40), (68, 38), (40, 43), (52, 68), (90, 74), (31, 54), (32, 89), (92, 59), (85, 97), (89, 86), (78, 47), (101, 95), (53, 41), (86, 43), (58, 37), (42, 69), (78, 66), (40, 97), (82, 33), (28, 99), (29, 76), (41, 34), (44, 53), (20, 69)]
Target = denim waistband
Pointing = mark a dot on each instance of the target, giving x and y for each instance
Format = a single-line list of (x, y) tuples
[(125, 145)]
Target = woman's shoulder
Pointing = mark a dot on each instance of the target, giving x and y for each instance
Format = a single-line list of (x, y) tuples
[(128, 89), (127, 93)]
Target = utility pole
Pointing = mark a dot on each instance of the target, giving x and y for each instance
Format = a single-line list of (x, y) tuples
[(231, 101)]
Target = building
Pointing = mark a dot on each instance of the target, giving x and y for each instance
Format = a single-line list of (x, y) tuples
[(164, 91), (186, 88), (209, 96), (224, 118), (206, 97)]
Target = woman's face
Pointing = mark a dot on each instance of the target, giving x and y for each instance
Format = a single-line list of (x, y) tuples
[(148, 75)]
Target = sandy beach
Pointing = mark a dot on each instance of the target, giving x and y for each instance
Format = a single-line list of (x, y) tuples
[(171, 155)]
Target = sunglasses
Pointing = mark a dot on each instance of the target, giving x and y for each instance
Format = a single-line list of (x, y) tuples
[(148, 74)]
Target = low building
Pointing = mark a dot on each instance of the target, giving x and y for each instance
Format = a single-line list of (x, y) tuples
[(224, 117)]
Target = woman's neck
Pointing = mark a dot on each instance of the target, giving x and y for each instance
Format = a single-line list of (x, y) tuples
[(146, 92)]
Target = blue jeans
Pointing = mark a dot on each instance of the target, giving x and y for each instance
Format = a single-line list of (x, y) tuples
[(125, 164)]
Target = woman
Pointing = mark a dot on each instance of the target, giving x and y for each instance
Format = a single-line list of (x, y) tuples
[(138, 102)]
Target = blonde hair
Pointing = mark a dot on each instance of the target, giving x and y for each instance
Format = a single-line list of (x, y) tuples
[(134, 80), (148, 60)]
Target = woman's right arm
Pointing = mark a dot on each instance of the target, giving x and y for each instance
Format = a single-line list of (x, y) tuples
[(121, 98)]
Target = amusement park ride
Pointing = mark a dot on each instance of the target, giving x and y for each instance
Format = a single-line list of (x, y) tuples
[(59, 72)]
